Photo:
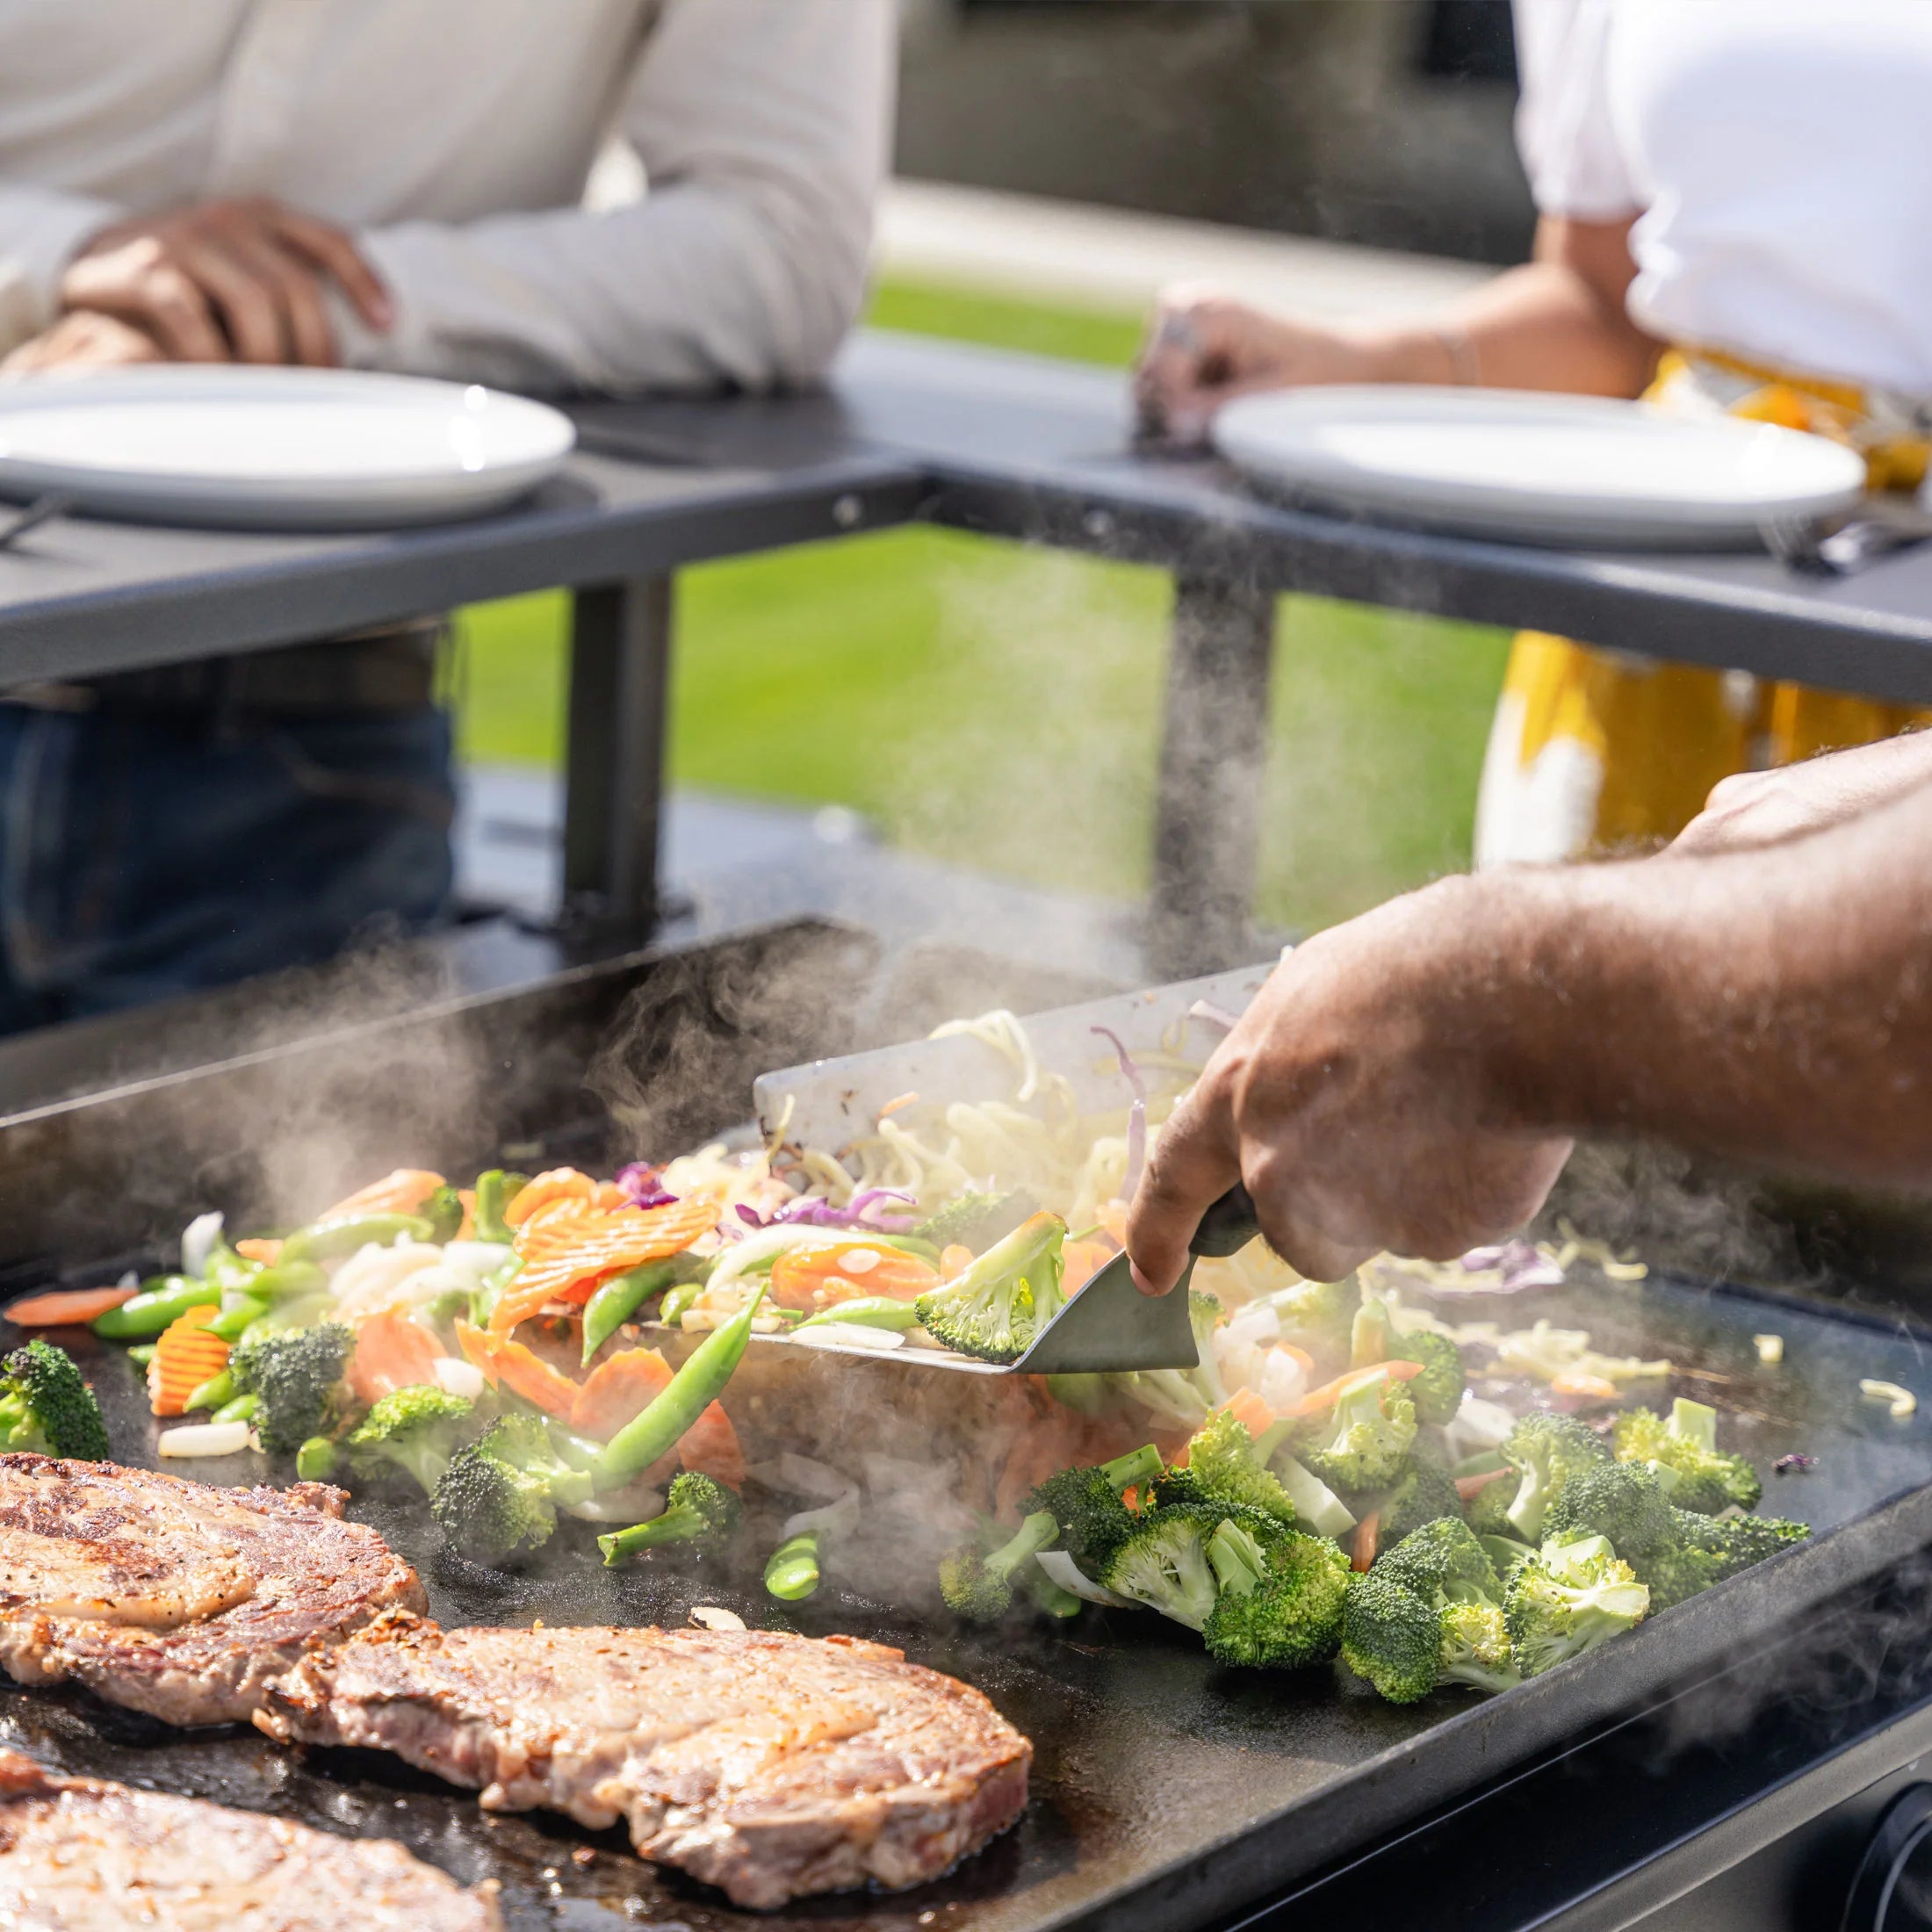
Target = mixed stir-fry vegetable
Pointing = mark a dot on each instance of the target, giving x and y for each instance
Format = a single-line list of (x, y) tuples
[(1322, 1483)]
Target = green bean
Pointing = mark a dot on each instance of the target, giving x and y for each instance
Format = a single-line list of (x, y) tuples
[(142, 1354), (315, 1460), (211, 1393), (242, 1408), (285, 1279), (146, 1314), (239, 1312), (793, 1571), (325, 1240), (679, 1403), (619, 1299), (494, 1191), (676, 1299), (879, 1312)]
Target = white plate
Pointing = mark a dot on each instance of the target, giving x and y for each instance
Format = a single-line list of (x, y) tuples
[(274, 449), (1543, 468)]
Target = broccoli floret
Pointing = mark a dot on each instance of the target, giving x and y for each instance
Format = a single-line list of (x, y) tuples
[(1444, 1559), (1488, 1511), (499, 1494), (1315, 1318), (1695, 1472), (1422, 1493), (975, 1220), (415, 1430), (1363, 1442), (1622, 1501), (1437, 1392), (978, 1581), (1430, 1612), (1568, 1598), (45, 1405), (1086, 1504), (295, 1373), (1280, 1601), (1164, 1563), (1474, 1648), (444, 1211), (1505, 1553), (698, 1511), (997, 1304), (1674, 1573), (1739, 1541), (1223, 1466), (1548, 1450), (1370, 1334), (1204, 1316), (1391, 1636)]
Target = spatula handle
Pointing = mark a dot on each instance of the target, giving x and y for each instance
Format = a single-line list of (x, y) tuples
[(1228, 1226)]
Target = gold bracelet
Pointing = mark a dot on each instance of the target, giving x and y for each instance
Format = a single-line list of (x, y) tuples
[(1464, 361)]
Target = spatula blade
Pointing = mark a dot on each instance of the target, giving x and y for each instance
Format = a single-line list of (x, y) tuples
[(1110, 1326)]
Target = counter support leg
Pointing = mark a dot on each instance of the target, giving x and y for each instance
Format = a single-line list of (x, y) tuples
[(620, 652), (1214, 758)]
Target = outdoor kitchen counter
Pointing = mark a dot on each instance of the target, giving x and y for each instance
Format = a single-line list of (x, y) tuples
[(915, 430)]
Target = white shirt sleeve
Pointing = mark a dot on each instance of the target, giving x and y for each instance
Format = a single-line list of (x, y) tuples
[(40, 230), (1564, 128), (763, 127)]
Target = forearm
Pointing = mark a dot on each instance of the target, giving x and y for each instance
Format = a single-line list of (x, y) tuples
[(1778, 1012)]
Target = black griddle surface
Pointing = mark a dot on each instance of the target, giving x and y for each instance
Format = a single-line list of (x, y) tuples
[(1166, 1790)]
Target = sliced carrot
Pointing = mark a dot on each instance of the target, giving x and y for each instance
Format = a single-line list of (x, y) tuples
[(391, 1351), (66, 1308), (183, 1359), (1251, 1412), (554, 1184), (400, 1193), (1596, 1388), (259, 1247), (1319, 1401), (565, 1260), (817, 1274), (479, 1347), (610, 1198), (532, 1377), (1470, 1486), (1112, 1216), (710, 1446), (1368, 1533), (955, 1259), (466, 1229), (618, 1389), (1081, 1260)]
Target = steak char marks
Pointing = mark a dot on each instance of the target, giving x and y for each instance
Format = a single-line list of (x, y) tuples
[(769, 1766), (79, 1854), (174, 1598)]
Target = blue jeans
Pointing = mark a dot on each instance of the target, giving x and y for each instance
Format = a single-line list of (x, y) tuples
[(145, 854)]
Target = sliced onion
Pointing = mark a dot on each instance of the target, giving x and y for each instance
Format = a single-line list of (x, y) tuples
[(205, 1438), (197, 1240), (455, 1377), (801, 1475), (765, 1246), (838, 1519), (847, 1334), (1062, 1570), (475, 1260), (716, 1617)]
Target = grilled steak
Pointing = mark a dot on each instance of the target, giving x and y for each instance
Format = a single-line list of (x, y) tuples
[(769, 1766), (76, 1853), (174, 1598)]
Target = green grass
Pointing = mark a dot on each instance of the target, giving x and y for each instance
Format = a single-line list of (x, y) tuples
[(999, 707)]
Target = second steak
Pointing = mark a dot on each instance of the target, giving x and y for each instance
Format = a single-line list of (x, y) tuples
[(769, 1766)]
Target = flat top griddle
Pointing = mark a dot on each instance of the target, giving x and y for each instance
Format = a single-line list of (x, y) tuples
[(1167, 1789)]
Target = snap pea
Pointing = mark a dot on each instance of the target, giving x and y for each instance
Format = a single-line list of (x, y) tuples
[(142, 1354), (143, 1317), (285, 1277), (879, 1312), (494, 1191), (792, 1572), (242, 1408), (676, 1299), (619, 1299), (483, 1302), (907, 1243), (227, 1269), (325, 1240), (240, 1313), (315, 1461), (211, 1393), (679, 1403)]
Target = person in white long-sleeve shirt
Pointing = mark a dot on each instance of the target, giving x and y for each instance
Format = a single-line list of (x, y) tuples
[(388, 184)]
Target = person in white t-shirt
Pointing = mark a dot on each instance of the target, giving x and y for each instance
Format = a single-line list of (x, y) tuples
[(1733, 198)]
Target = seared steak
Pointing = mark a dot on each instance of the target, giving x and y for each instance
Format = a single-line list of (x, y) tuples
[(768, 1765), (75, 1853), (174, 1598)]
